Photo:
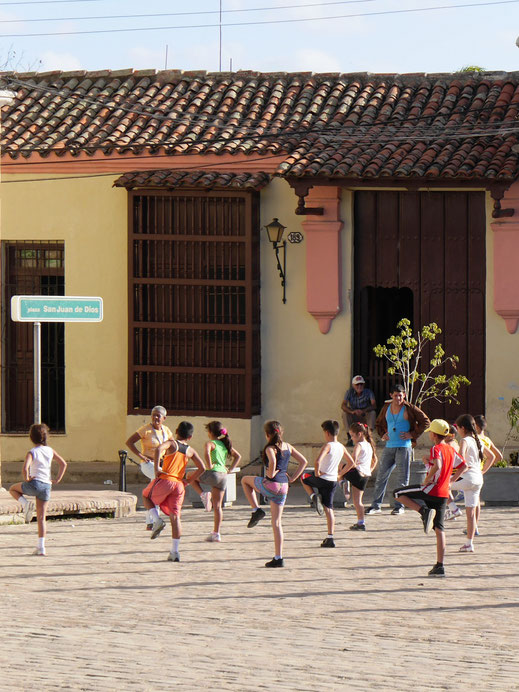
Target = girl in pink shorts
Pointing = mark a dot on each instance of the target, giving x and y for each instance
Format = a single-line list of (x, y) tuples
[(276, 457)]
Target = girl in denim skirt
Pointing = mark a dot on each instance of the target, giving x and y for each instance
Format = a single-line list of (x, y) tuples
[(38, 482), (276, 457)]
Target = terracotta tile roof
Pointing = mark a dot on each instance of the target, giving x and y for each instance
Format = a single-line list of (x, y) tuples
[(361, 125), (212, 180)]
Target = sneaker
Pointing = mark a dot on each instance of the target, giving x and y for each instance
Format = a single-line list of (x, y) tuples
[(476, 532), (275, 563), (214, 538), (317, 504), (328, 543), (427, 515), (256, 517), (40, 551), (29, 512), (157, 527), (174, 557), (358, 527), (437, 571), (207, 501), (373, 510), (397, 510), (459, 496), (454, 514), (466, 548), (149, 527)]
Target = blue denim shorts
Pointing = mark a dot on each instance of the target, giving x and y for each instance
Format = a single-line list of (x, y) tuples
[(37, 489)]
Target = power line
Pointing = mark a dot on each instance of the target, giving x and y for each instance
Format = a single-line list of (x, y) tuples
[(263, 22), (180, 14)]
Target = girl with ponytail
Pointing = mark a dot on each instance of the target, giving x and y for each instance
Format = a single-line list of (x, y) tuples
[(471, 483), (274, 486), (218, 450), (358, 470)]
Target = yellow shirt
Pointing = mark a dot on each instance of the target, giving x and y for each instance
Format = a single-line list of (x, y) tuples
[(151, 438)]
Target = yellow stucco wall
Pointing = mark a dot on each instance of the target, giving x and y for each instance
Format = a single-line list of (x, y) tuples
[(90, 216), (304, 373)]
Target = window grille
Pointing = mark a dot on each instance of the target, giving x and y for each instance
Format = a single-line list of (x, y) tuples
[(194, 303), (32, 268)]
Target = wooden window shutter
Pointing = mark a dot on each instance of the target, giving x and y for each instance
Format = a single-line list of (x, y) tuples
[(194, 312)]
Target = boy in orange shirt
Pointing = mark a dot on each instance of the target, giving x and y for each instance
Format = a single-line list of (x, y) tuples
[(430, 498), (168, 489)]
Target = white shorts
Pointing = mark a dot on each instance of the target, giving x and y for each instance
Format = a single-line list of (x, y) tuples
[(471, 488)]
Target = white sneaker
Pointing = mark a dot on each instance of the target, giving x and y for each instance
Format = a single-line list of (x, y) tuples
[(454, 514), (214, 538), (207, 501), (29, 512), (174, 557), (40, 551), (158, 525), (467, 548), (373, 510)]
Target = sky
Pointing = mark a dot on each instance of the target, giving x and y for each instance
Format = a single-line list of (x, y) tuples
[(442, 40)]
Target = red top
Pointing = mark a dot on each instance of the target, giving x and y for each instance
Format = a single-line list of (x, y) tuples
[(448, 459)]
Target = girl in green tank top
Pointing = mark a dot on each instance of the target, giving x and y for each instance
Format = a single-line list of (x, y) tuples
[(218, 450)]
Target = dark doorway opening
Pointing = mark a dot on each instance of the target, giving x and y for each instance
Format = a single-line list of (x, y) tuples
[(378, 311)]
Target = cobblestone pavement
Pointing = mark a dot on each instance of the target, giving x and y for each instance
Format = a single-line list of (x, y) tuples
[(106, 611)]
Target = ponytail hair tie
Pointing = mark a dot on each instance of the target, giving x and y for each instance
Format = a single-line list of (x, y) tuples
[(223, 432)]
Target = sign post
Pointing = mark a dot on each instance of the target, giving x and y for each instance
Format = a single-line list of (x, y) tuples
[(40, 309)]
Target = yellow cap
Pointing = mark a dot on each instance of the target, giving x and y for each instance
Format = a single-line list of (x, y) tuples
[(439, 426)]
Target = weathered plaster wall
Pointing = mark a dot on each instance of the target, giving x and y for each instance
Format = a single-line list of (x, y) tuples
[(304, 372)]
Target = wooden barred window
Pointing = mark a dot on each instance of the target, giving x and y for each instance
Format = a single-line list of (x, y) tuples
[(194, 306), (32, 268)]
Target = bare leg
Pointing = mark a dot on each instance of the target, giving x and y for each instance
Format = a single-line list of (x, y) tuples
[(330, 519), (276, 512), (440, 545), (478, 514), (247, 483), (41, 514), (471, 524), (217, 496), (308, 489), (409, 503), (16, 491), (194, 484), (356, 496), (147, 502), (176, 525)]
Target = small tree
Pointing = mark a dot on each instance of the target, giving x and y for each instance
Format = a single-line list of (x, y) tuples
[(404, 351), (513, 420)]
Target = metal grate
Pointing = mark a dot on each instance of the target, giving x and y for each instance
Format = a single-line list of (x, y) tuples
[(32, 268), (194, 303)]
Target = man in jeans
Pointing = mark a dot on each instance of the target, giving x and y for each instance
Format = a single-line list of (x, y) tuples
[(400, 424)]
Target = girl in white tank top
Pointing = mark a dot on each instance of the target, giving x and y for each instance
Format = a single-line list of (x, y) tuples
[(358, 472)]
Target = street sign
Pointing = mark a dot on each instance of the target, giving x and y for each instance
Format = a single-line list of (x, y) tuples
[(38, 309), (56, 309)]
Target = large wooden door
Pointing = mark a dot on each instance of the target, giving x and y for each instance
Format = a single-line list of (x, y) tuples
[(421, 255)]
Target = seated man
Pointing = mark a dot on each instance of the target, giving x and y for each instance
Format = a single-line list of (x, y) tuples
[(359, 405)]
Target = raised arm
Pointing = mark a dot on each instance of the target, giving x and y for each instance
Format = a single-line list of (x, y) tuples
[(27, 467), (62, 467), (130, 443), (323, 452), (489, 458), (236, 458), (159, 451), (302, 463), (200, 466)]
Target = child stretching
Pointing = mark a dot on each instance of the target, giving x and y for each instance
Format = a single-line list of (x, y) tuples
[(217, 450), (359, 469), (322, 483), (430, 498), (276, 457), (38, 482), (472, 482), (168, 489)]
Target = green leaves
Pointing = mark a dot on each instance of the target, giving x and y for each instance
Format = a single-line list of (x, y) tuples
[(404, 353)]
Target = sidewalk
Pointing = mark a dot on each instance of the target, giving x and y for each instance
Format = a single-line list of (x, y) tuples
[(105, 610)]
